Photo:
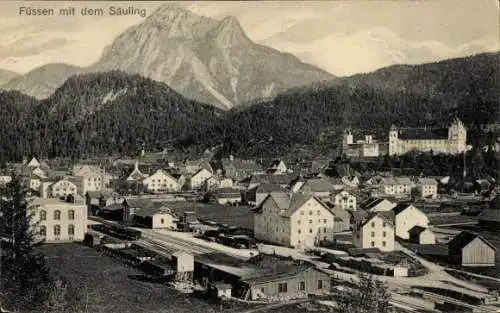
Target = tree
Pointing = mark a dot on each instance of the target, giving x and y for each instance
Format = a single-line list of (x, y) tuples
[(369, 295), (24, 272)]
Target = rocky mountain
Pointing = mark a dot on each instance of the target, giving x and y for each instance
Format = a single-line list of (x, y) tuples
[(42, 81), (204, 59), (108, 112), (6, 75)]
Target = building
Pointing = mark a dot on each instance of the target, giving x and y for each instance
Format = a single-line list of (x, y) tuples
[(136, 175), (237, 169), (149, 214), (282, 180), (360, 147), (288, 281), (427, 188), (422, 235), (58, 220), (471, 250), (406, 217), (378, 205), (161, 182), (278, 167), (198, 180), (451, 140), (320, 187), (376, 230), (103, 198), (300, 220), (344, 199), (90, 178), (262, 191), (63, 188), (227, 196), (396, 186)]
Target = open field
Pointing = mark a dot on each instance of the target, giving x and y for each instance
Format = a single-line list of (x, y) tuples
[(241, 216), (113, 287), (436, 220)]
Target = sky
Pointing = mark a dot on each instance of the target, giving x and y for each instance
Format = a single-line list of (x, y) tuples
[(342, 37)]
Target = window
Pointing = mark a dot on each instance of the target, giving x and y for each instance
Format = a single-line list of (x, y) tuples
[(310, 221), (298, 222), (373, 234), (320, 284), (302, 286), (384, 234), (263, 290), (318, 212), (43, 231), (300, 231), (310, 230), (373, 224), (57, 215), (162, 221), (324, 230), (384, 224), (324, 221), (373, 243), (310, 212), (71, 229), (43, 215), (383, 243), (57, 230), (71, 214), (282, 288)]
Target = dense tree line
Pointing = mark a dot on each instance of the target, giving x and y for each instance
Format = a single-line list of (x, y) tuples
[(113, 112)]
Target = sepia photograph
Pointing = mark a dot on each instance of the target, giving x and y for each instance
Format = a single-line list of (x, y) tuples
[(334, 156)]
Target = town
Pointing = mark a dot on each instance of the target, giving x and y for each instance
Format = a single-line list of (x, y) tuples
[(270, 232)]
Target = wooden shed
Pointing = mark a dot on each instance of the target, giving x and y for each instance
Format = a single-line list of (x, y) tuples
[(468, 249), (422, 235)]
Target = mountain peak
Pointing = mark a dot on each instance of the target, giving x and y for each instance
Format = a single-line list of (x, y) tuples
[(229, 32)]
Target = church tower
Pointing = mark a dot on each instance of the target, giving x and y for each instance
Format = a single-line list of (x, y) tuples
[(457, 137), (394, 147)]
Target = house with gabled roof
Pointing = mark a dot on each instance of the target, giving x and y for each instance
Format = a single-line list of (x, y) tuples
[(198, 180), (397, 186), (375, 230), (320, 187), (344, 199), (378, 205), (161, 182), (471, 250), (299, 220), (408, 216), (136, 174), (238, 169), (422, 235)]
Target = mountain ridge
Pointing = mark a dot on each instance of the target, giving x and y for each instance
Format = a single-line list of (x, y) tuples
[(207, 60)]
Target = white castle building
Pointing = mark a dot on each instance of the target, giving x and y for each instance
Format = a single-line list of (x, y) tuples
[(451, 140)]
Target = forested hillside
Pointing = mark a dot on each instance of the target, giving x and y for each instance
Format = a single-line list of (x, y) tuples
[(114, 112), (102, 113)]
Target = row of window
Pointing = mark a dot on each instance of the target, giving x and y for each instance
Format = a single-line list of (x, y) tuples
[(310, 221), (57, 215), (310, 230), (57, 230), (384, 224), (384, 234), (373, 244), (283, 287), (318, 212)]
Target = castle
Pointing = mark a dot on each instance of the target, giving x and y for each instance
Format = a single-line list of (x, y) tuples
[(451, 140)]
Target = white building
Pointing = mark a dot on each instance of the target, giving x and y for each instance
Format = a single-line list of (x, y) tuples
[(57, 220), (152, 215), (450, 140), (397, 186), (161, 182), (375, 231), (344, 200), (197, 181), (62, 188), (408, 216), (300, 220), (89, 177), (360, 148), (422, 235), (427, 188)]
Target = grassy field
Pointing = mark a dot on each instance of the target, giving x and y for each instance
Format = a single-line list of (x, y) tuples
[(111, 286), (241, 216)]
